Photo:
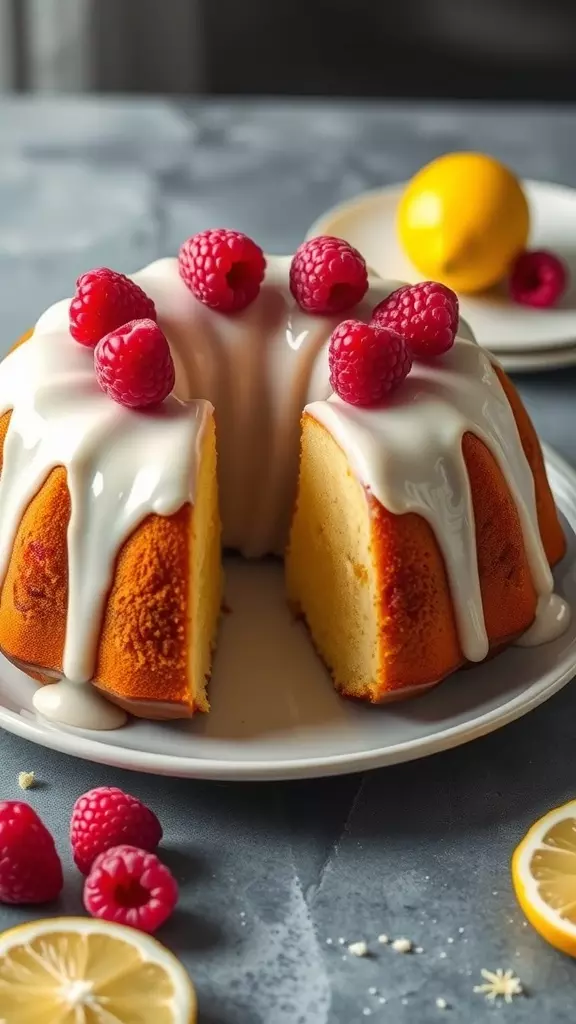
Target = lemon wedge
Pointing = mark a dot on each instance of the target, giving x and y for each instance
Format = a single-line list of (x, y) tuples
[(544, 877), (74, 970)]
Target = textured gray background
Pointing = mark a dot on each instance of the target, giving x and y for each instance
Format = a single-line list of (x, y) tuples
[(269, 872)]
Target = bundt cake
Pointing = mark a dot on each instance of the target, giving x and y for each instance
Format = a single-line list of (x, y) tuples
[(422, 530)]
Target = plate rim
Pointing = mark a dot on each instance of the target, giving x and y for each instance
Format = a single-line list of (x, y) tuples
[(175, 766)]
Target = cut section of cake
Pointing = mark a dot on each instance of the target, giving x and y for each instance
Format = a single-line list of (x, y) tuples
[(424, 528)]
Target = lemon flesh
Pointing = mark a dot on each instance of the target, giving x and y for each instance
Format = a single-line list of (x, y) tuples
[(81, 971)]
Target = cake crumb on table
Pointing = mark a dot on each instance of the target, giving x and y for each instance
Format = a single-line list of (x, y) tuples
[(372, 991), (383, 940), (26, 780), (402, 945), (441, 1003), (358, 948)]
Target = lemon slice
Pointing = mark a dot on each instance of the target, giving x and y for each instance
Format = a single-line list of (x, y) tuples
[(74, 970), (544, 877)]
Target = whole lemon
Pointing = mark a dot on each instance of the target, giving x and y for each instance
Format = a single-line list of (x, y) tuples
[(462, 219)]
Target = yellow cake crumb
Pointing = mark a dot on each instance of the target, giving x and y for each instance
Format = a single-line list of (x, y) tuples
[(26, 780)]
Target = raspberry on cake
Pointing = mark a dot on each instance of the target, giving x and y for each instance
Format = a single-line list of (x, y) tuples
[(425, 314), (366, 362), (134, 365), (103, 301), (328, 276), (223, 269)]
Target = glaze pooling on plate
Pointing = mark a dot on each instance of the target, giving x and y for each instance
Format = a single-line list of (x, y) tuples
[(408, 453)]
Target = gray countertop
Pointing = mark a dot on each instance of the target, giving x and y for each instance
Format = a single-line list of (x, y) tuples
[(269, 873)]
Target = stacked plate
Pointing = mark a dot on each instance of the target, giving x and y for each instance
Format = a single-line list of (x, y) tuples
[(524, 339)]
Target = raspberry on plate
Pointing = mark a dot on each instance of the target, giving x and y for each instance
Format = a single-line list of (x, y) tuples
[(425, 314), (134, 364), (130, 886), (106, 817), (538, 279), (103, 301), (223, 269), (327, 275), (366, 362), (30, 868)]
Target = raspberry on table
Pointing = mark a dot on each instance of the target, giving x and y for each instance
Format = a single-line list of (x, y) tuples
[(130, 886), (106, 817), (223, 269), (366, 362), (103, 301), (134, 364), (425, 314), (327, 275), (538, 278), (30, 868)]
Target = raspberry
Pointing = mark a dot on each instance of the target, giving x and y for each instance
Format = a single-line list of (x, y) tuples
[(538, 279), (134, 364), (327, 275), (130, 886), (103, 301), (223, 269), (366, 362), (106, 817), (30, 868), (425, 314)]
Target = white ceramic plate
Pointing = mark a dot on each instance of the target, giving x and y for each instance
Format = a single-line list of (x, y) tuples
[(275, 714), (368, 222), (538, 362)]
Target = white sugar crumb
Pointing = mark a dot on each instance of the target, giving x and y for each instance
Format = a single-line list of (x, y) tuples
[(367, 1011), (382, 1000), (499, 983), (402, 946), (443, 955), (328, 942), (372, 991), (419, 949), (383, 940), (450, 940), (26, 780), (358, 949), (441, 1003), (461, 931), (341, 941), (404, 1002)]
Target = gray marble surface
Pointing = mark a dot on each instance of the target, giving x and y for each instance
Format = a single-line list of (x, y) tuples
[(269, 873)]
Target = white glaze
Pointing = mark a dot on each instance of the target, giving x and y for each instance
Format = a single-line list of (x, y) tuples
[(77, 705), (408, 453), (552, 620)]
